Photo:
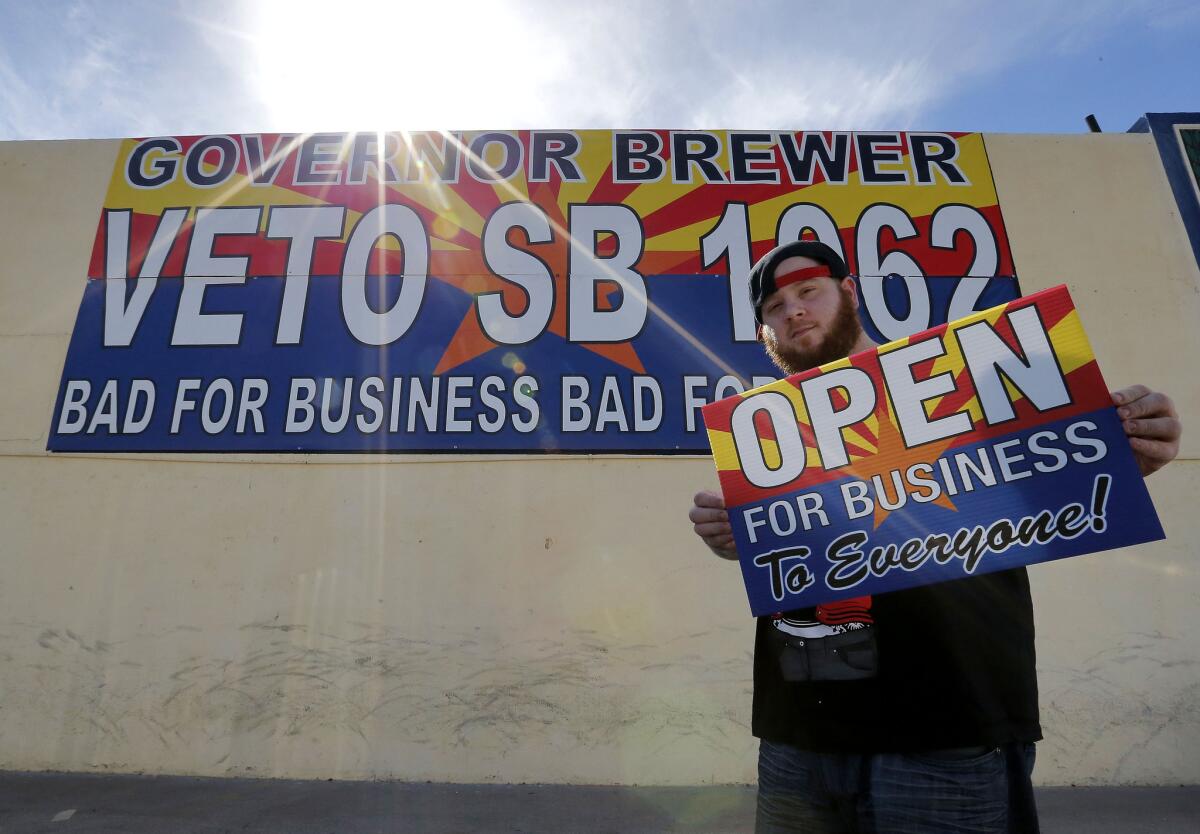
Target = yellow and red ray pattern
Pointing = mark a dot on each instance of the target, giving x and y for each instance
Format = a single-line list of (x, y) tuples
[(471, 274), (674, 215)]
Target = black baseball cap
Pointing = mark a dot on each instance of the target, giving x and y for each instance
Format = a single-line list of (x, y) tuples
[(762, 274)]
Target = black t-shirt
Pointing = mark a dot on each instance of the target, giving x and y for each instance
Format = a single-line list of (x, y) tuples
[(954, 667)]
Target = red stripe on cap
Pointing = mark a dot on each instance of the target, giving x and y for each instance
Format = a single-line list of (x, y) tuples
[(802, 274)]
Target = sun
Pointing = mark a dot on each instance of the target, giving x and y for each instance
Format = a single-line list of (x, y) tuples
[(395, 65)]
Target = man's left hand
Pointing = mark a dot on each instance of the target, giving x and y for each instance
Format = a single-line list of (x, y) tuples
[(1152, 425)]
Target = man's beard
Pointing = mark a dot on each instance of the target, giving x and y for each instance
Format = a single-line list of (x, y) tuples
[(837, 344)]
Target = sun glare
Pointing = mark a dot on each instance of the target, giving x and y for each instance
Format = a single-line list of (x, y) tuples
[(393, 65)]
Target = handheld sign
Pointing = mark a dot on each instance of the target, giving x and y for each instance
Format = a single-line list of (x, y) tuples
[(981, 445)]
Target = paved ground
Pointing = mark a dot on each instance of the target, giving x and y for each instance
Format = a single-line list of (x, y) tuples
[(75, 803)]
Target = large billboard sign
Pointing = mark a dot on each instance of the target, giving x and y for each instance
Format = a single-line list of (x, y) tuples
[(527, 291), (982, 445)]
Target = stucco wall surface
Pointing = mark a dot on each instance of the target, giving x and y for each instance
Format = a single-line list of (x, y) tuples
[(518, 619)]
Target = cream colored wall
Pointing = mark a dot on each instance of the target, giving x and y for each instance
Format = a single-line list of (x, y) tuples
[(501, 619), (1118, 647)]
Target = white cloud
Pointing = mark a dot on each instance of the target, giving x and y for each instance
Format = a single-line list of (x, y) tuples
[(673, 63)]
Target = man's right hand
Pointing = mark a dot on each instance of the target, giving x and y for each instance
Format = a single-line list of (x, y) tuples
[(711, 523)]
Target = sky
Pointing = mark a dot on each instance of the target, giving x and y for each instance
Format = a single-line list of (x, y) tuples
[(91, 69)]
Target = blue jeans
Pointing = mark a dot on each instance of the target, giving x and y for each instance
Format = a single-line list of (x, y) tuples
[(985, 791)]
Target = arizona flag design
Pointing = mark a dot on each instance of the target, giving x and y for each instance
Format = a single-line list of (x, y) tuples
[(531, 291), (984, 444)]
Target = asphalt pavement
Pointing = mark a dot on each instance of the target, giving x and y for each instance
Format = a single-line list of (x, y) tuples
[(69, 803)]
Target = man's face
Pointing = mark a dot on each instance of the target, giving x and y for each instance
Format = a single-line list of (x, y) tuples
[(809, 322)]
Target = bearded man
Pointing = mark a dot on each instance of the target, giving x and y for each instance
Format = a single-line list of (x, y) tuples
[(915, 710)]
